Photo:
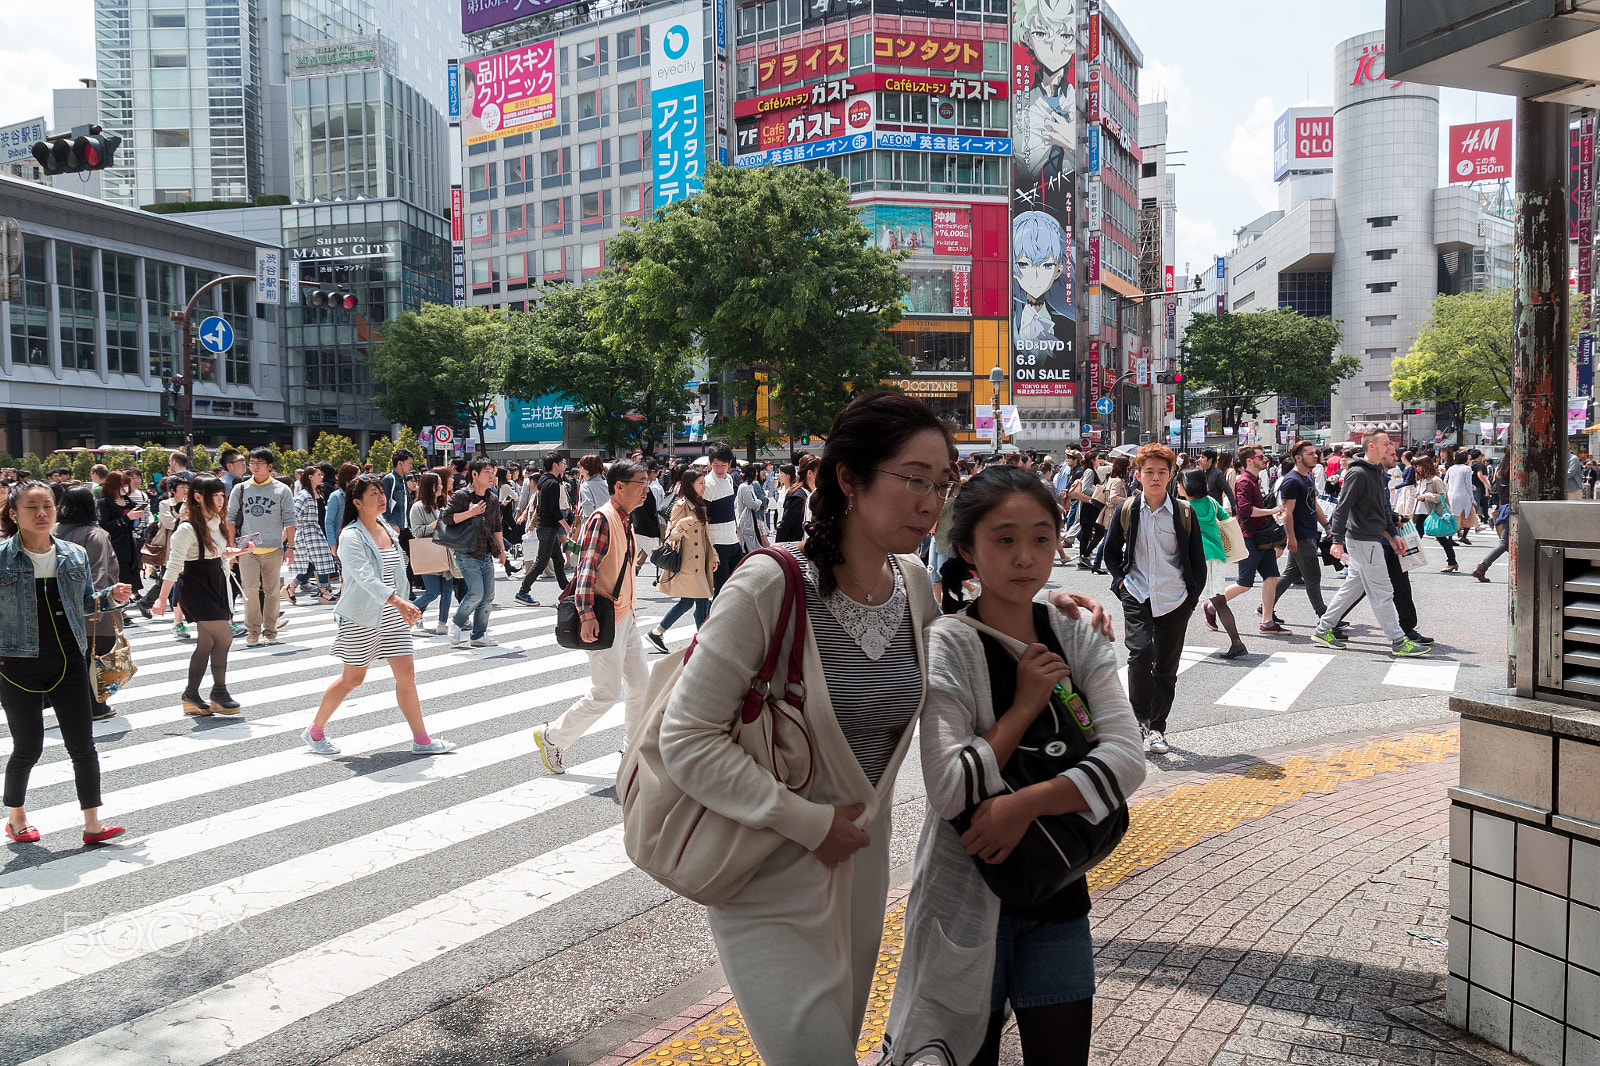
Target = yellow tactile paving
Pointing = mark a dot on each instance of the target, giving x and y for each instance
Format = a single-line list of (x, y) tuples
[(1176, 820)]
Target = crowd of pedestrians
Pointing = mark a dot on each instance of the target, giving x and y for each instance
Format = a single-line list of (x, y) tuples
[(922, 579)]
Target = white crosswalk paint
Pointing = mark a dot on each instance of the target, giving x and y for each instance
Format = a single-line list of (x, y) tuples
[(1275, 684), (1192, 654), (378, 696), (174, 922), (243, 1009), (1435, 675)]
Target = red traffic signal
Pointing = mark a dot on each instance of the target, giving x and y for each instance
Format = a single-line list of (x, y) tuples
[(333, 299), (1177, 379), (94, 150)]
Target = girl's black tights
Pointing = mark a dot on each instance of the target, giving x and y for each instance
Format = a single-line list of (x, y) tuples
[(1057, 1035)]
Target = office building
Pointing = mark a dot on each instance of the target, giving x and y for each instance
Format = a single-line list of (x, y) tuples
[(1365, 235), (84, 351)]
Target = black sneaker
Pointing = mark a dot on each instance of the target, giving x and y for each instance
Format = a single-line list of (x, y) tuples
[(657, 641), (1418, 638)]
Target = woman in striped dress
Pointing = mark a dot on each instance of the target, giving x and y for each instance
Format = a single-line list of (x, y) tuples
[(375, 618), (311, 549)]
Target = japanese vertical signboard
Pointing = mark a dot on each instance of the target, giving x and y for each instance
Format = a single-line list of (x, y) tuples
[(508, 92), (677, 108), (1044, 306), (269, 267), (1586, 364)]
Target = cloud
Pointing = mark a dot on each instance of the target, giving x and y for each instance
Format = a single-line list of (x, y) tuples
[(1199, 239), (1250, 154), (54, 47)]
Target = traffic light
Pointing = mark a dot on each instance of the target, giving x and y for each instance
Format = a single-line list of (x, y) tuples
[(1170, 379), (333, 299), (91, 149)]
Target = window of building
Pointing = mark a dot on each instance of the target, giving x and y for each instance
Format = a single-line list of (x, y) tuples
[(592, 257), (478, 178), (630, 148), (555, 261), (550, 162), (167, 19), (30, 317), (934, 351), (627, 44), (630, 199), (119, 278), (930, 292), (1381, 320), (1381, 254), (517, 271), (550, 214), (588, 104), (238, 300), (516, 220), (169, 138), (76, 292), (513, 170), (169, 58), (627, 99), (1147, 170), (589, 206), (588, 54), (1383, 221), (1378, 287)]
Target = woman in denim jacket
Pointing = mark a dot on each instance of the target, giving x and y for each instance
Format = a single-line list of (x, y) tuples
[(46, 595), (375, 618)]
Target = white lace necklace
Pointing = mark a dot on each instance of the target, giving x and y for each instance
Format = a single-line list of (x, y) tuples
[(872, 626)]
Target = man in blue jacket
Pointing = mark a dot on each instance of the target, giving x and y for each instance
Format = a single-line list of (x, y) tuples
[(1157, 561)]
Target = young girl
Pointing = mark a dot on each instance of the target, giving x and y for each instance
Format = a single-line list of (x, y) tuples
[(688, 532), (967, 956), (424, 518), (199, 554), (1206, 509), (312, 553), (375, 620)]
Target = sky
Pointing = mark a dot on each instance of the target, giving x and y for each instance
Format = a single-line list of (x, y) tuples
[(1226, 70)]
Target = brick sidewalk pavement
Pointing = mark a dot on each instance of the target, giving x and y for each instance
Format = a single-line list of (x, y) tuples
[(1266, 912)]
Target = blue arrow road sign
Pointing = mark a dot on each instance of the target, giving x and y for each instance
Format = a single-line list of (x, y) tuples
[(216, 335), (1105, 405)]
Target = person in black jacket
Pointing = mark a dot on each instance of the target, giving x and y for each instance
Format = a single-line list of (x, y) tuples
[(549, 529), (1157, 561), (791, 524), (117, 517)]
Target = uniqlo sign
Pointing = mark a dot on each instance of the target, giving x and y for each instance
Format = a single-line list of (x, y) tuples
[(1480, 151)]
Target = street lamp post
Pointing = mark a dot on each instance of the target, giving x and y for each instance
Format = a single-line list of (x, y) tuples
[(997, 378)]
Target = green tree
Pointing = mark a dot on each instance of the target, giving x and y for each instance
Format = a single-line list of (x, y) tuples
[(1462, 356), (630, 389), (769, 269), (332, 448), (1245, 358), (82, 463), (202, 462), (380, 453), (408, 440), (152, 462), (32, 464), (440, 365)]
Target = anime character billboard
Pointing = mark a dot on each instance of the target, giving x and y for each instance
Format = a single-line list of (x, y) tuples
[(1043, 177)]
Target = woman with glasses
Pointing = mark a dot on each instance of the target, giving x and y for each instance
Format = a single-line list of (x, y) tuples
[(799, 941), (199, 554), (375, 618)]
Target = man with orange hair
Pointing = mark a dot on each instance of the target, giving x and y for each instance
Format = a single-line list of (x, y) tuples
[(1157, 561)]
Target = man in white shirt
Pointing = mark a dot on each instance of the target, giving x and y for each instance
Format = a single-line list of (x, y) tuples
[(721, 517), (1157, 561)]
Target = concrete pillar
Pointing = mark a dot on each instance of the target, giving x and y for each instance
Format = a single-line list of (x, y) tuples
[(1538, 446), (302, 438)]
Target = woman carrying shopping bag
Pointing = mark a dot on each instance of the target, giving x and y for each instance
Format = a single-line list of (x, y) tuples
[(76, 523)]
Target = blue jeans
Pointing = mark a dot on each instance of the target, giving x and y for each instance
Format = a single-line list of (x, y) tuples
[(702, 608), (435, 586), (478, 572)]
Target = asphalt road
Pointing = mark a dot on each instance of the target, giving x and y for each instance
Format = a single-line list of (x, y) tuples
[(271, 906)]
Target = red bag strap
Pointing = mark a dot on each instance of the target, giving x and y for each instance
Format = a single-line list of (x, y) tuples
[(791, 618)]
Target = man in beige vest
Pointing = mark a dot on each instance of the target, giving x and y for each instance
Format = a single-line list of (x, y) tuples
[(605, 556)]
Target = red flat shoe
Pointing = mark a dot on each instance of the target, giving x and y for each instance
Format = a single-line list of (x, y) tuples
[(29, 834), (105, 834)]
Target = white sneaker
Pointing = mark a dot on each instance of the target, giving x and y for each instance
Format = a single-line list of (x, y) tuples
[(1156, 743), (423, 628), (485, 641), (435, 746), (548, 751), (457, 635)]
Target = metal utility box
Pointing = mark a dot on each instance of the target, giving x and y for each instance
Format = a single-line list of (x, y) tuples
[(1558, 601)]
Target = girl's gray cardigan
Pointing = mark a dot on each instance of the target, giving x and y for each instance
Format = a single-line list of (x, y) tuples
[(940, 1011)]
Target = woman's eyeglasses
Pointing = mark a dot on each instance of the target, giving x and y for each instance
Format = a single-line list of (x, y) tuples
[(922, 486)]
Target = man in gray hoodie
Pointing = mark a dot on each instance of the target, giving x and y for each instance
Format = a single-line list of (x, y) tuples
[(1361, 522)]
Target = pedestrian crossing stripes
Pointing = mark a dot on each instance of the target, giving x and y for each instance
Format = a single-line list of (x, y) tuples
[(260, 885)]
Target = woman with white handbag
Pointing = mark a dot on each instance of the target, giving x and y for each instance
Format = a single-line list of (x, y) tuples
[(436, 579), (799, 938)]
